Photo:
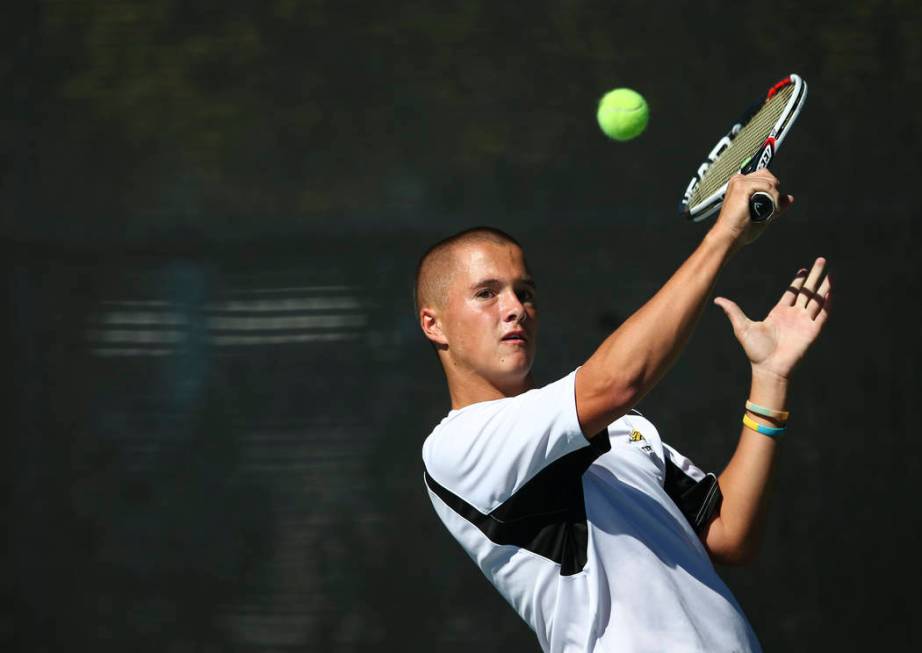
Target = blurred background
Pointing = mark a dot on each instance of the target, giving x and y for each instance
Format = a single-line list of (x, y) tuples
[(216, 391)]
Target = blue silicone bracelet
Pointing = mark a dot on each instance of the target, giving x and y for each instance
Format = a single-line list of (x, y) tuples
[(761, 428)]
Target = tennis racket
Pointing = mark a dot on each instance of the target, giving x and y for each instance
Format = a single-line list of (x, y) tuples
[(750, 145)]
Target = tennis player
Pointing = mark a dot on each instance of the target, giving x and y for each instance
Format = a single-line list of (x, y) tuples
[(599, 534)]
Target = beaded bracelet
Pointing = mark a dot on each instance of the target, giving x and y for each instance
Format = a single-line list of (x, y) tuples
[(761, 428), (780, 415)]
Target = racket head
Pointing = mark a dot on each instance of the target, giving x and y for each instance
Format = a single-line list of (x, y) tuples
[(751, 143)]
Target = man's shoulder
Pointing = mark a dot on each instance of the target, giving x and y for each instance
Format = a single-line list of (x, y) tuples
[(528, 410), (482, 410), (460, 422)]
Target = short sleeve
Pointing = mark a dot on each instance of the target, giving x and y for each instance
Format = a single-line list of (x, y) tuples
[(684, 465), (695, 493), (486, 451)]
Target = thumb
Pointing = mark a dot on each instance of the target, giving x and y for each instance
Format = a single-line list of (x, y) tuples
[(786, 201), (738, 319)]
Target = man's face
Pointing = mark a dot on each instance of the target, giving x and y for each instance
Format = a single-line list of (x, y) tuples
[(490, 317)]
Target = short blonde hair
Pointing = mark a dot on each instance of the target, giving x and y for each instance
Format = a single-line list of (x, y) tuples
[(436, 265)]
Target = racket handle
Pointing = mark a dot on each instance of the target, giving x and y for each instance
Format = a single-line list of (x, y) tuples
[(761, 206)]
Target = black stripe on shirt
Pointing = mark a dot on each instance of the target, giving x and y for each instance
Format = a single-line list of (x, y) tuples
[(546, 516), (698, 500)]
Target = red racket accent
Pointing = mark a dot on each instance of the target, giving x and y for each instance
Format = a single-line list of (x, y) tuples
[(777, 87)]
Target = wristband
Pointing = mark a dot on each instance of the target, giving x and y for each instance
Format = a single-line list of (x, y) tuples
[(781, 415), (761, 428)]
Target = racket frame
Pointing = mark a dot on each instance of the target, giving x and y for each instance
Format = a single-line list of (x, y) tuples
[(765, 153)]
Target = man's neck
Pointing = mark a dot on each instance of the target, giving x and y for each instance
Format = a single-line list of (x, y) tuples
[(471, 389)]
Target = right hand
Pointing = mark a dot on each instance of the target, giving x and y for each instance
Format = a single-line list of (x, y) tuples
[(734, 220)]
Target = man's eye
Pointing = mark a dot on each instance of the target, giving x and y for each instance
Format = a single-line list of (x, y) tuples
[(526, 296), (484, 294)]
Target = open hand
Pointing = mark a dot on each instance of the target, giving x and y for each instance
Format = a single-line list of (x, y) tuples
[(777, 343)]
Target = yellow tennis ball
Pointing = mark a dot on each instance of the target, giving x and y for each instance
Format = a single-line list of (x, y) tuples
[(623, 114)]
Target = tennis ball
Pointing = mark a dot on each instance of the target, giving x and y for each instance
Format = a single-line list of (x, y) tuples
[(623, 114)]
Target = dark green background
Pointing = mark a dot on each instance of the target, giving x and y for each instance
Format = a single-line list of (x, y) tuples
[(268, 496)]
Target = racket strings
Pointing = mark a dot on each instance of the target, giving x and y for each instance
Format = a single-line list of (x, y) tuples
[(744, 146)]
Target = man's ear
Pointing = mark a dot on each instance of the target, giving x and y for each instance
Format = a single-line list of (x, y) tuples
[(432, 326)]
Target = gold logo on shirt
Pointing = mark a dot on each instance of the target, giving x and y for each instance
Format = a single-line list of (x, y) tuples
[(637, 436)]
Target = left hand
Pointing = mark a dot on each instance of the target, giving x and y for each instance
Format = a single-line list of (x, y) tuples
[(777, 343)]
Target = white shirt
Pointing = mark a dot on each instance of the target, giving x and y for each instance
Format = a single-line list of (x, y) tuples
[(578, 535)]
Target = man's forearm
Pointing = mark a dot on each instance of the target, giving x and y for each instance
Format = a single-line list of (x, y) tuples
[(643, 349), (733, 535), (635, 357)]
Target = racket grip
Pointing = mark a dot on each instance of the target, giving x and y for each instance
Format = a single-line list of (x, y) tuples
[(761, 206)]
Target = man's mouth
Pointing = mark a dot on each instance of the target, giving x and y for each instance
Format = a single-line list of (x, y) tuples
[(515, 336)]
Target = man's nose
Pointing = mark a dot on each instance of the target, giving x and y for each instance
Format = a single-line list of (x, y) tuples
[(513, 308)]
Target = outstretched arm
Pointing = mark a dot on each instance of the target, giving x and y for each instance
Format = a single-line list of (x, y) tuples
[(774, 347), (636, 356)]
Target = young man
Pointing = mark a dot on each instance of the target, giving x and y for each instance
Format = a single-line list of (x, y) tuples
[(599, 534)]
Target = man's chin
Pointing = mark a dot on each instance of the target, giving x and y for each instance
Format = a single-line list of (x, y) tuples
[(513, 376)]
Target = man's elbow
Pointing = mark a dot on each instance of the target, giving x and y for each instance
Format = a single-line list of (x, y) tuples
[(735, 554), (730, 547)]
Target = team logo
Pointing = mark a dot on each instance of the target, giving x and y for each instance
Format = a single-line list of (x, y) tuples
[(637, 436)]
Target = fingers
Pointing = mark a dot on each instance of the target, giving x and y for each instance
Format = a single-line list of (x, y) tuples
[(808, 292), (790, 295), (823, 313), (763, 180), (735, 217), (821, 300), (783, 201), (741, 189), (760, 180)]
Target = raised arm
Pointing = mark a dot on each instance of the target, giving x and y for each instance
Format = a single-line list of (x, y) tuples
[(636, 355), (774, 348)]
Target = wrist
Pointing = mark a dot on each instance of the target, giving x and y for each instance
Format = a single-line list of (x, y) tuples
[(769, 377), (770, 390), (721, 242), (721, 238)]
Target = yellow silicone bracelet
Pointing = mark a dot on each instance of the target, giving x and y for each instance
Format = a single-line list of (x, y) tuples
[(761, 428)]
